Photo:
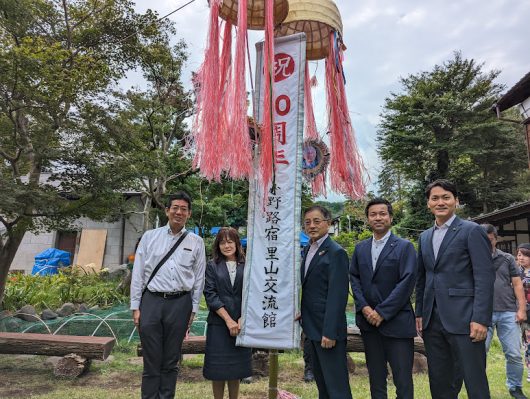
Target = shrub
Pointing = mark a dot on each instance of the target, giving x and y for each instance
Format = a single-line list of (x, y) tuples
[(52, 291)]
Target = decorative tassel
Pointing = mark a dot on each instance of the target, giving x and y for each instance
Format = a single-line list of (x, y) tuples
[(267, 133), (206, 124), (311, 131), (318, 184), (225, 66), (346, 163), (314, 81), (238, 142)]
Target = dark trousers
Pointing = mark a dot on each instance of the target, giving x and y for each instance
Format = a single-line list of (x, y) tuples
[(331, 371), (163, 325), (307, 355), (450, 356), (399, 353)]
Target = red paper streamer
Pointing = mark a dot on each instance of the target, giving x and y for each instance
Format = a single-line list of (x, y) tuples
[(206, 124), (267, 134), (238, 146), (346, 164), (318, 184)]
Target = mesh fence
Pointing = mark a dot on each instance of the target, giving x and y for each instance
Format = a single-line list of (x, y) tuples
[(116, 321)]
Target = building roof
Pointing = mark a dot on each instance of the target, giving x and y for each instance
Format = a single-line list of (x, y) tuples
[(516, 95), (504, 215)]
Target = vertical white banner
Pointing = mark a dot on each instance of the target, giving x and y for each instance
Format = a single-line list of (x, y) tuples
[(272, 271)]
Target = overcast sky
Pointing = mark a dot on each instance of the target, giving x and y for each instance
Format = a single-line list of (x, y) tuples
[(386, 40)]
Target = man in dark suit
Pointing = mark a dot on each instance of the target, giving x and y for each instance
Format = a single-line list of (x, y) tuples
[(454, 297), (324, 272), (383, 274)]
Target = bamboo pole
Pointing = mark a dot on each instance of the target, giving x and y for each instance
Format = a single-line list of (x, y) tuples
[(273, 374)]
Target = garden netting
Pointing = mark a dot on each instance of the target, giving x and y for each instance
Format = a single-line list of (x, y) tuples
[(116, 321)]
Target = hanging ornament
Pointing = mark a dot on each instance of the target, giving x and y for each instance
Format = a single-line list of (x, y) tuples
[(220, 130), (255, 12), (320, 20), (315, 159)]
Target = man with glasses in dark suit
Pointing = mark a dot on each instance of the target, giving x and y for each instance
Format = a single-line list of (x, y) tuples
[(324, 273)]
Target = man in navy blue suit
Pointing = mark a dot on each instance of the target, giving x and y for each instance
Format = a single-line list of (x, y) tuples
[(324, 273), (383, 274), (454, 297)]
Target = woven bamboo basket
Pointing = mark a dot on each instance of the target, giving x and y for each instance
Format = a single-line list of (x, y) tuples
[(256, 12), (316, 18)]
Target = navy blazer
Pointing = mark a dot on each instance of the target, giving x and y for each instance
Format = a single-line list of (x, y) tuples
[(387, 288), (219, 292), (325, 292), (460, 279)]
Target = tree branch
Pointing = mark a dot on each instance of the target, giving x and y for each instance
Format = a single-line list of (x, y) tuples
[(67, 23)]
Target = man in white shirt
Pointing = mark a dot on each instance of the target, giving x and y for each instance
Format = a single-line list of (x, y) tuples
[(164, 306)]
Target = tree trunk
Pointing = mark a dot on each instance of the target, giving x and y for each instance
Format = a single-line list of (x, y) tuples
[(442, 164), (147, 212), (71, 365), (7, 254)]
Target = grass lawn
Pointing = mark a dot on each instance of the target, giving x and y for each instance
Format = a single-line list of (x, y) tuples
[(31, 377)]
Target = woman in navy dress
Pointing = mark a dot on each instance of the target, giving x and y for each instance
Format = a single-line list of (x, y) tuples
[(224, 361)]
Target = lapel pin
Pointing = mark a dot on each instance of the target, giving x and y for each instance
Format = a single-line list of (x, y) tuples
[(322, 253)]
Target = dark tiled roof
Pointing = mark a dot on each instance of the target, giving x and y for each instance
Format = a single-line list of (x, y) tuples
[(521, 209), (516, 95)]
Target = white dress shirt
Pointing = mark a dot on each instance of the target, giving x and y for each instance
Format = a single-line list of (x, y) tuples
[(183, 271), (312, 251), (231, 266), (439, 234), (377, 247)]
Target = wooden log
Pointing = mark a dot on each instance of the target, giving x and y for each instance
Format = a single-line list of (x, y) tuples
[(71, 366), (197, 345), (56, 345), (194, 345), (355, 342)]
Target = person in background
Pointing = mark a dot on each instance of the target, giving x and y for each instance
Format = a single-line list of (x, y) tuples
[(224, 362), (523, 260), (509, 311)]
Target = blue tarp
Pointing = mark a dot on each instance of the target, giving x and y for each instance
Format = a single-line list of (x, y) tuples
[(201, 231), (49, 260), (304, 240)]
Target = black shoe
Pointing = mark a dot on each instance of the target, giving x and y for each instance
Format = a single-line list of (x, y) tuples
[(517, 393), (308, 376)]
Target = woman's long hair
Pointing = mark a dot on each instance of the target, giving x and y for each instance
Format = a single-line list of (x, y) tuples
[(227, 233)]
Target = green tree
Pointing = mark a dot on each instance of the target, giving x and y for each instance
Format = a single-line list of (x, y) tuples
[(441, 126), (57, 58), (143, 130)]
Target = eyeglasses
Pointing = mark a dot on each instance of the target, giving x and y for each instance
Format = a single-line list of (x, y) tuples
[(316, 222), (176, 208)]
